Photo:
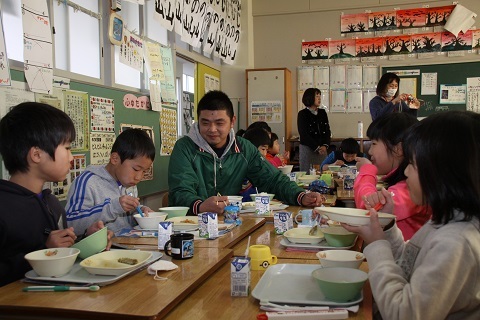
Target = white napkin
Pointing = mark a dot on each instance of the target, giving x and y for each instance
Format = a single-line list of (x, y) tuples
[(161, 265), (461, 19)]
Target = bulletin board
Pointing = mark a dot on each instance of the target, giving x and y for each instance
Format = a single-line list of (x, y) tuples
[(124, 115), (204, 73), (447, 74)]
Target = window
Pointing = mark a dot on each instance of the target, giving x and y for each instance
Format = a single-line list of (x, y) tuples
[(77, 38), (126, 75), (188, 83), (13, 29)]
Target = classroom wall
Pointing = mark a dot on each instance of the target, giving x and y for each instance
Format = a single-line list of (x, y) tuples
[(279, 26)]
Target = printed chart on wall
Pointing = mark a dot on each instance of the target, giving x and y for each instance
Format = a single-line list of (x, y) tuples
[(269, 111), (148, 175), (168, 129), (473, 94)]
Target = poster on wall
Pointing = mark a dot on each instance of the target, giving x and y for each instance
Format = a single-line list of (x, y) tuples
[(37, 46), (453, 94), (268, 111), (473, 94), (168, 130), (187, 111), (13, 95), (76, 106), (211, 83), (4, 67), (100, 147), (102, 114)]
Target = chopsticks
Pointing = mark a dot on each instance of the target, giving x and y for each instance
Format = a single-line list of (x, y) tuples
[(139, 209), (59, 288), (224, 202)]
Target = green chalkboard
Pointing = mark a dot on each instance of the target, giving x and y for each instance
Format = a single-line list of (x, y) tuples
[(452, 74), (124, 115)]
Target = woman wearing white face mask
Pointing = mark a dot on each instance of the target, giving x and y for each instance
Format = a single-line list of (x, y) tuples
[(388, 100)]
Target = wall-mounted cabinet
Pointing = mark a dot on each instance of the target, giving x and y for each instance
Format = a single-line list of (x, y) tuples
[(269, 99)]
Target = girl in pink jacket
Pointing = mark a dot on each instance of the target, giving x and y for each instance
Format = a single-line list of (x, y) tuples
[(386, 134)]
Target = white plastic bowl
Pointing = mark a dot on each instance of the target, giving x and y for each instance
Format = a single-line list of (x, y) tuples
[(106, 263), (340, 258), (354, 217), (52, 262), (308, 178), (300, 235), (150, 222), (286, 168)]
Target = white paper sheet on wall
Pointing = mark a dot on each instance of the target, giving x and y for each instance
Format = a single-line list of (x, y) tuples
[(473, 94), (337, 77), (321, 77), (37, 48), (354, 101), (305, 77), (354, 77)]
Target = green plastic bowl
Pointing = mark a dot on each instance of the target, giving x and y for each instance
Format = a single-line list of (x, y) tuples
[(93, 244), (338, 236), (174, 211), (340, 284)]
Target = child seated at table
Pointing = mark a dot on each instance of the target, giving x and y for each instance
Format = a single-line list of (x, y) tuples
[(349, 150), (435, 274), (273, 152), (35, 143), (260, 138), (386, 134), (109, 192)]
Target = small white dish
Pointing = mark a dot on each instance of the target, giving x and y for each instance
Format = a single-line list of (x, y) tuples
[(354, 217), (107, 263), (300, 235), (184, 223)]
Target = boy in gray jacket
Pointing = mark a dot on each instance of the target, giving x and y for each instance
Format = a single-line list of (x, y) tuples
[(109, 193)]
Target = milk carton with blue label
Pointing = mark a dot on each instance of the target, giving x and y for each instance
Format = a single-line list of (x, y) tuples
[(165, 229), (240, 276), (208, 225), (283, 221), (262, 204)]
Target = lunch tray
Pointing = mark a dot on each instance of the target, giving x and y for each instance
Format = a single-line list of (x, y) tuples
[(293, 284), (79, 275), (322, 245)]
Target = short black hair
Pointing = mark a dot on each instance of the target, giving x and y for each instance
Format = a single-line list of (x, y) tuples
[(215, 100), (240, 132), (308, 98), (32, 124), (273, 138), (257, 136), (260, 124), (350, 146), (133, 143), (391, 129), (448, 162), (384, 81)]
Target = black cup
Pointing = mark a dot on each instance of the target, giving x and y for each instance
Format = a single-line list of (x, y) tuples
[(181, 246)]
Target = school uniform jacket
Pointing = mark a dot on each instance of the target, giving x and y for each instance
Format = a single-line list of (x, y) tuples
[(196, 173)]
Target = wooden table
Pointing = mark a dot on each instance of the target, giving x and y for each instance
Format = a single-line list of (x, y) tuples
[(213, 301), (199, 288), (136, 296), (343, 194), (226, 241)]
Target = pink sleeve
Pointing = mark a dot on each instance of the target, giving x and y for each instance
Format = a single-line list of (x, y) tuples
[(365, 183)]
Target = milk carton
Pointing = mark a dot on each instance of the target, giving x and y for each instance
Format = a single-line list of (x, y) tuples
[(240, 277), (262, 205), (283, 221), (165, 229), (208, 225)]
